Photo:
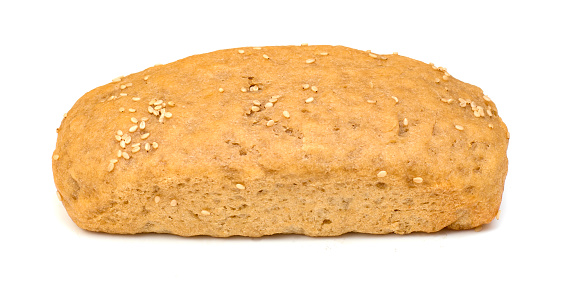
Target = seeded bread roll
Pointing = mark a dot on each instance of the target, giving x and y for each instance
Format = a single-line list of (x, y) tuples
[(314, 140)]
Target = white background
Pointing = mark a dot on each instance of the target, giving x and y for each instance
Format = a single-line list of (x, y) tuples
[(53, 52)]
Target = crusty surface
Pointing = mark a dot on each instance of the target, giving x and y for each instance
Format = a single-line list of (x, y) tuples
[(313, 173)]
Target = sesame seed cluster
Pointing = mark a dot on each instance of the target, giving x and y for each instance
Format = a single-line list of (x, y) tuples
[(132, 138), (316, 140)]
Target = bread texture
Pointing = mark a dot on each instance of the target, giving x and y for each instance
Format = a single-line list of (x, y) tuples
[(315, 140)]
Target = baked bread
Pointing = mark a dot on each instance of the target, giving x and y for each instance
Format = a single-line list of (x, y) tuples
[(315, 140)]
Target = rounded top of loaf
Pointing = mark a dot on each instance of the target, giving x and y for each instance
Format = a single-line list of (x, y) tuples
[(247, 114)]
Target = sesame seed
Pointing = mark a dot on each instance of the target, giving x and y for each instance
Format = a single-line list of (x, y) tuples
[(241, 51), (304, 44), (405, 122), (240, 186), (437, 80), (111, 166), (117, 79), (273, 100), (147, 146), (477, 114), (446, 100), (58, 196), (418, 180), (111, 98), (173, 203), (135, 149), (255, 108), (459, 127), (314, 88), (132, 110), (243, 89), (371, 101), (306, 86), (125, 155), (286, 114), (118, 137), (114, 161), (158, 107), (508, 135), (135, 99), (268, 104), (168, 114), (480, 110), (158, 102), (270, 123), (205, 213), (256, 102), (382, 174), (122, 144), (372, 55), (136, 144), (256, 48), (156, 199), (265, 56), (144, 119), (486, 98), (119, 153), (498, 215), (309, 100), (220, 90), (144, 136), (254, 88), (128, 84), (134, 120), (121, 109), (150, 109), (132, 129), (445, 77), (395, 98), (478, 229), (171, 104), (489, 112), (123, 86), (123, 94), (146, 78), (142, 125), (491, 125), (310, 61), (55, 157), (154, 145), (324, 54)]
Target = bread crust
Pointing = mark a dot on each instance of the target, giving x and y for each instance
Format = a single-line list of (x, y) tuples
[(369, 143)]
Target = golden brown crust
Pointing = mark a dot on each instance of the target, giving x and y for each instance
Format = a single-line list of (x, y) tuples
[(317, 140)]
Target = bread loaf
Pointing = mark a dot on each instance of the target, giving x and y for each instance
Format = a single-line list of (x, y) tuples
[(315, 140)]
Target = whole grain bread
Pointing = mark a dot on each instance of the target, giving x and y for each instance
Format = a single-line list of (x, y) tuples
[(315, 140)]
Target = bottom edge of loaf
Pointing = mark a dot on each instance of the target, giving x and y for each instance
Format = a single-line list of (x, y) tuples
[(401, 229), (318, 210)]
